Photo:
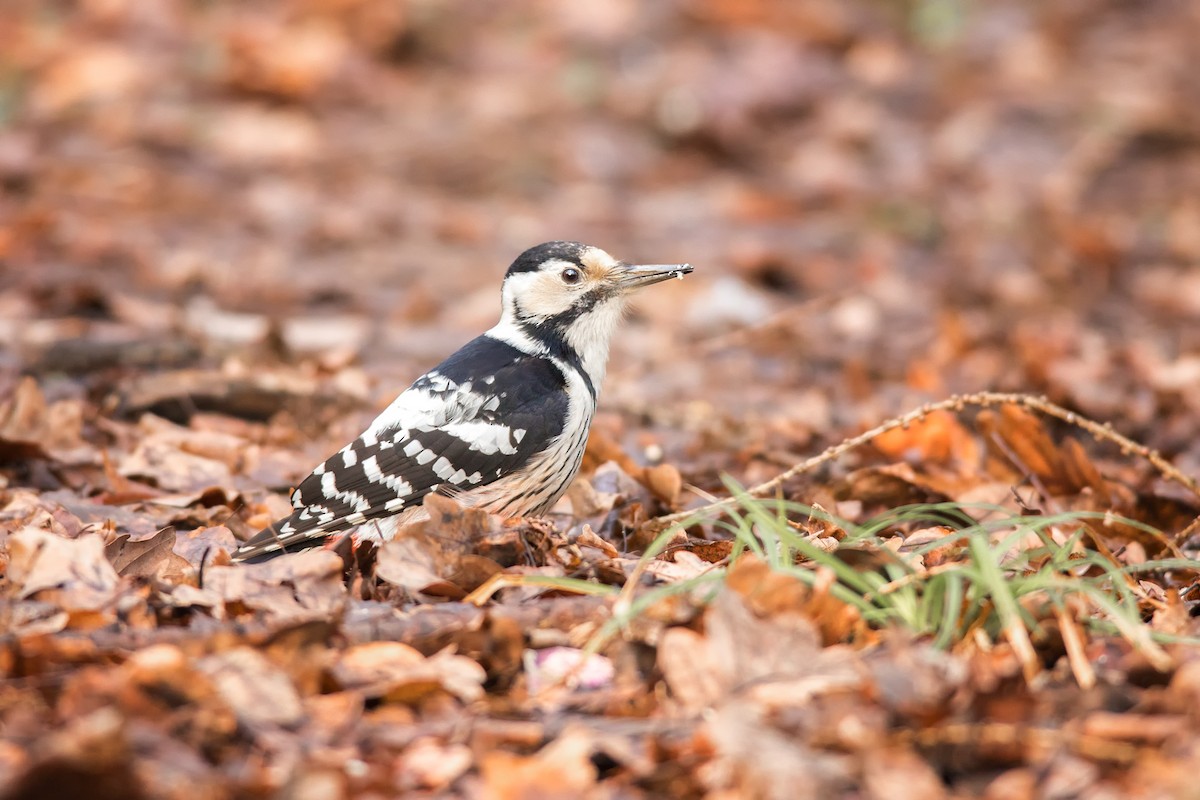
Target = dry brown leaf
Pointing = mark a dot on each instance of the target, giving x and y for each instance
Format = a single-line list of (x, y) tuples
[(206, 545), (938, 438), (665, 482), (769, 592), (297, 586), (74, 573), (292, 61), (1022, 439), (437, 556), (144, 558), (562, 768), (137, 522), (1013, 784), (686, 663), (260, 694), (893, 485), (400, 673), (682, 566), (367, 665), (758, 640), (895, 774), (31, 428), (93, 72), (754, 759), (1080, 472), (161, 460), (432, 765), (1153, 729)]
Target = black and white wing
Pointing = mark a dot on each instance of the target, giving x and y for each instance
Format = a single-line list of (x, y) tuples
[(482, 414)]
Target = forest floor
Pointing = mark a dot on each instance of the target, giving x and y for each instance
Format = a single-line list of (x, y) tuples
[(231, 233)]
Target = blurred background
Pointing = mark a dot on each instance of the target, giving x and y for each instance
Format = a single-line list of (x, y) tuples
[(886, 201)]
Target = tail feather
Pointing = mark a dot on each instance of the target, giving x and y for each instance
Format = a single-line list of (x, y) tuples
[(276, 539)]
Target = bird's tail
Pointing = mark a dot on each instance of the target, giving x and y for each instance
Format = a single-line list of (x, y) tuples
[(282, 536)]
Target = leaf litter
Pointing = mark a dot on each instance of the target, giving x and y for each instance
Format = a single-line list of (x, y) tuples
[(211, 280)]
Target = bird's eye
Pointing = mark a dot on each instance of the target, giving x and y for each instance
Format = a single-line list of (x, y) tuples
[(571, 275)]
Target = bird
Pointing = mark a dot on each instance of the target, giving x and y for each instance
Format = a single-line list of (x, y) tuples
[(500, 425)]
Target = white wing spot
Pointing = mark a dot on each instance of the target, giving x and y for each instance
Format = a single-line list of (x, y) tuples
[(443, 468), (412, 448), (349, 456), (425, 457), (375, 474), (330, 490), (518, 434), (371, 469), (488, 438)]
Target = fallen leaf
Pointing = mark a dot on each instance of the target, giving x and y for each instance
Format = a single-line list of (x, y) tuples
[(400, 673), (897, 773), (665, 482), (294, 587), (436, 556), (432, 765), (144, 558), (260, 694), (562, 768), (74, 570), (31, 428), (937, 438)]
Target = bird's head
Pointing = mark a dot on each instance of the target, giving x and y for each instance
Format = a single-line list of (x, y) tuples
[(573, 295)]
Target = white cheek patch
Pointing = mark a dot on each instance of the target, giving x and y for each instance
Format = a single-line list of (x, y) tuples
[(546, 295)]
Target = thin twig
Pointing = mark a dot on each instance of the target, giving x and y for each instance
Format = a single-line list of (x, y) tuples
[(955, 403)]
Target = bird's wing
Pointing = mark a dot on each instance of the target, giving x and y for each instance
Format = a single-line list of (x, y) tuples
[(440, 434)]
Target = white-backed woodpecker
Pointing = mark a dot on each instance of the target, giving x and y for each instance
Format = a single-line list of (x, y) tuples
[(500, 425)]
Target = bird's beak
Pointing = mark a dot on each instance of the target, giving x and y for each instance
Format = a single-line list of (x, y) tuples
[(635, 276)]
